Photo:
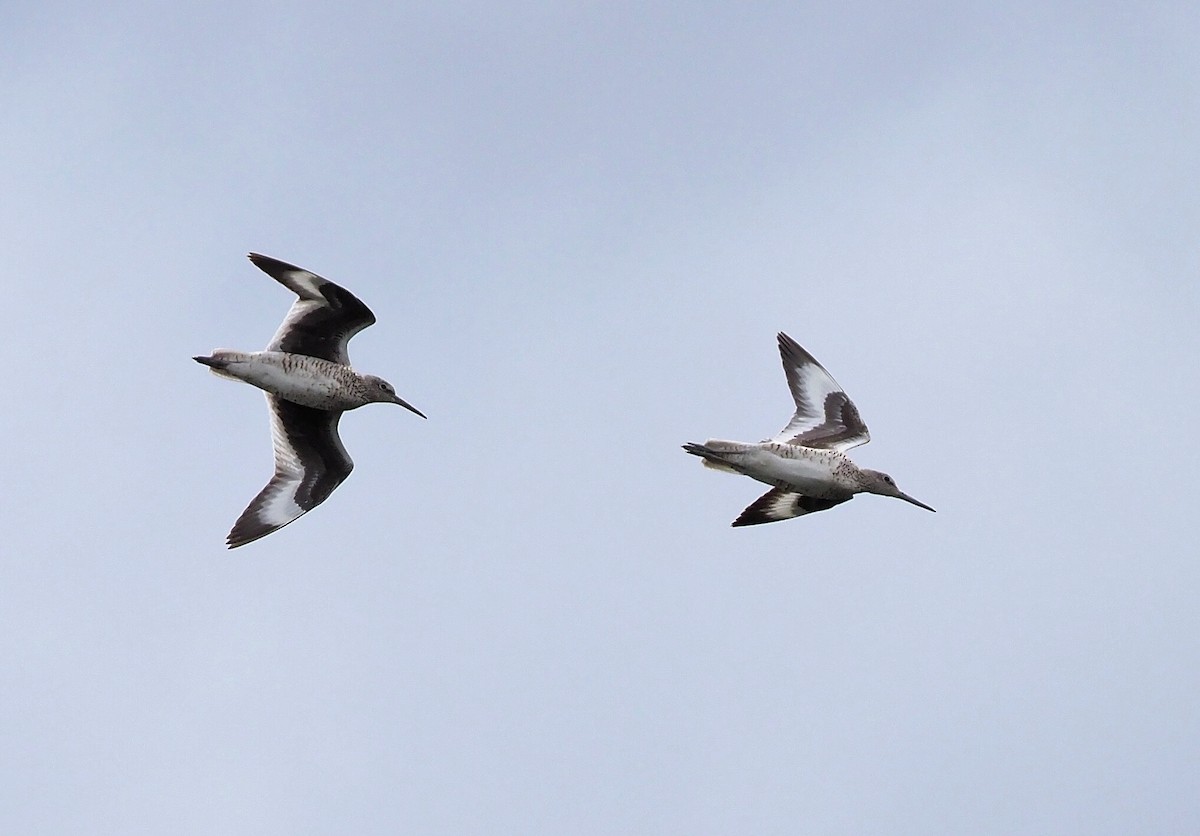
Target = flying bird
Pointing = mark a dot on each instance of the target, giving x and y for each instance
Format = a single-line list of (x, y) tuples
[(306, 373), (806, 462)]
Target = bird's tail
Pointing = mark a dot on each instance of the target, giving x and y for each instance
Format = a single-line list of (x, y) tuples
[(220, 360), (715, 453)]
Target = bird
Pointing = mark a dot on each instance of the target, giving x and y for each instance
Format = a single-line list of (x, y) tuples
[(305, 371), (806, 462)]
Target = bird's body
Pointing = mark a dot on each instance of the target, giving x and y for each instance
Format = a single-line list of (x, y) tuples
[(805, 463), (308, 381), (827, 474), (306, 373)]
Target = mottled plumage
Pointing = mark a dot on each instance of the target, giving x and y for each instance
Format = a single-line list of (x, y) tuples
[(305, 371), (805, 463)]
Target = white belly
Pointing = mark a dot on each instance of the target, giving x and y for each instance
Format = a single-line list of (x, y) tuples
[(304, 380), (806, 471)]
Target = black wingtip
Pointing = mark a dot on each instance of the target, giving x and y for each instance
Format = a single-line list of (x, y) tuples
[(753, 516), (232, 543), (271, 266), (248, 530)]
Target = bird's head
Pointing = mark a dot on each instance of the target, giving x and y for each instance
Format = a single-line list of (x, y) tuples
[(380, 391), (872, 481)]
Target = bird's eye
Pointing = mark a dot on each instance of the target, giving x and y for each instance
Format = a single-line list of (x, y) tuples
[(888, 479)]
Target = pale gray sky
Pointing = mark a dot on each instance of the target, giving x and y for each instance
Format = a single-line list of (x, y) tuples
[(580, 226)]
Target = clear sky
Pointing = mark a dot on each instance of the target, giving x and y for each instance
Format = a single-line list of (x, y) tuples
[(580, 226)]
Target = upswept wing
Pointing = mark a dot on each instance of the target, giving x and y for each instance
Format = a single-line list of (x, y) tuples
[(322, 320), (825, 416)]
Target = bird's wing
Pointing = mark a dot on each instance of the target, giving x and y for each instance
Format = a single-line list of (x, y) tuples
[(778, 504), (322, 320), (310, 461), (825, 416)]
